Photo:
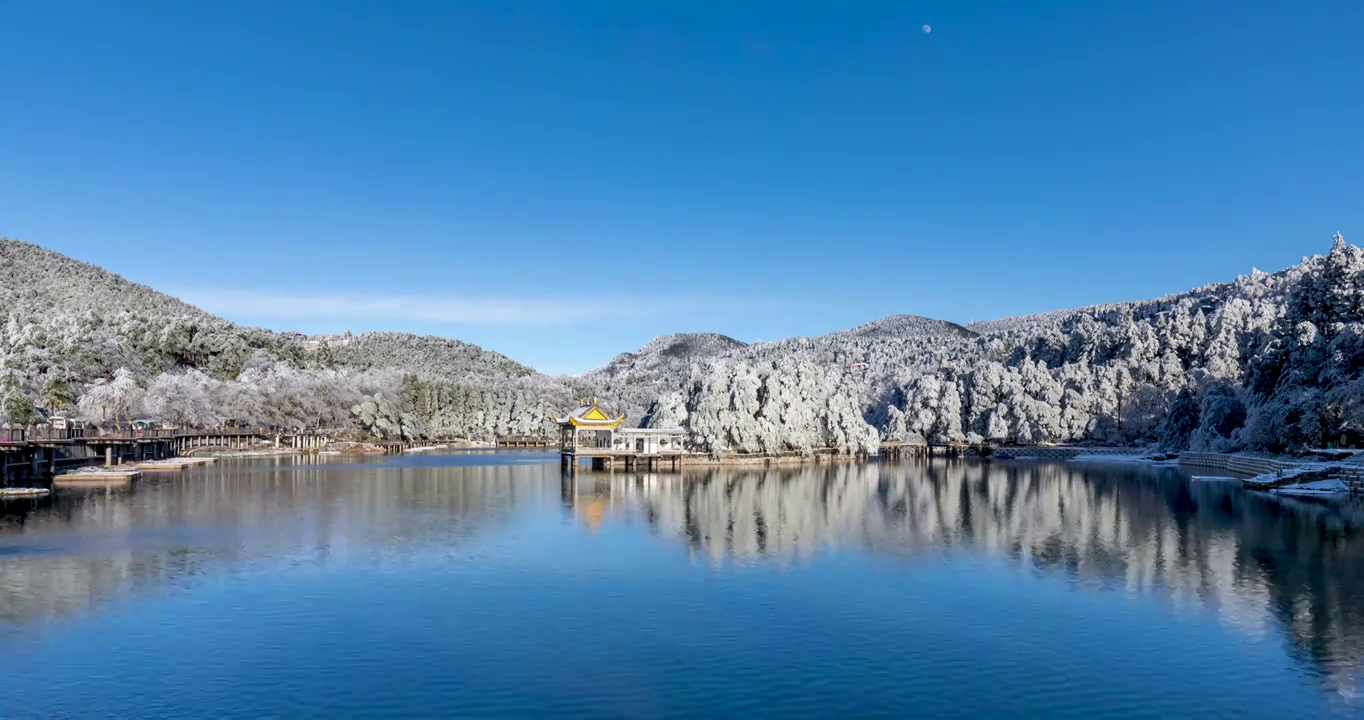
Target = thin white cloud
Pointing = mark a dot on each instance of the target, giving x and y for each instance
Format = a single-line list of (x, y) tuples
[(462, 310)]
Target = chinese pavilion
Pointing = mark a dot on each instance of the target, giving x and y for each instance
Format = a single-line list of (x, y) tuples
[(587, 428), (590, 432)]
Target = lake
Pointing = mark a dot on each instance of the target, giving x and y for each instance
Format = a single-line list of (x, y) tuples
[(487, 585)]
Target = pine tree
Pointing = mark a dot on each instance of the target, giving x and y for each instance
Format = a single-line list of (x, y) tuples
[(57, 394), (15, 403)]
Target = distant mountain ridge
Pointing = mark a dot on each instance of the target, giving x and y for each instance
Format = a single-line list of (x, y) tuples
[(669, 350), (688, 345), (1269, 361), (904, 326)]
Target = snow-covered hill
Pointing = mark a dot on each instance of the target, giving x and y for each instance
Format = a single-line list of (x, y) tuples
[(1269, 361), (75, 333), (904, 326), (667, 353), (634, 380)]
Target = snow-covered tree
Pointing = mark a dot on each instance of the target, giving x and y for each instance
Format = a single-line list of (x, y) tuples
[(382, 418), (186, 398)]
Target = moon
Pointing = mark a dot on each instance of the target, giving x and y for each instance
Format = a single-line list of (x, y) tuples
[(928, 29)]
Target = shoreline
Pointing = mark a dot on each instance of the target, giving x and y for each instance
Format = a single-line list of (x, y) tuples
[(1247, 471), (1250, 471), (339, 447)]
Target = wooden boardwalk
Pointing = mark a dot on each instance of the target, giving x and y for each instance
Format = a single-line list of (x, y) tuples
[(610, 458), (34, 455)]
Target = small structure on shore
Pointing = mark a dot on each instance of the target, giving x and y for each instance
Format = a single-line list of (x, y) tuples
[(590, 432)]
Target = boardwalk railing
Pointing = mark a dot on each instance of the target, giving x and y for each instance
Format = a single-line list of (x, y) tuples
[(523, 441), (96, 435), (48, 434)]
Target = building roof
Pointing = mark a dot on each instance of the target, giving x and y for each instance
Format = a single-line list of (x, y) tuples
[(590, 416)]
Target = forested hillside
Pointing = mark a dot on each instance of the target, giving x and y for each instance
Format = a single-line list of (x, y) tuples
[(78, 339), (634, 380), (1267, 362)]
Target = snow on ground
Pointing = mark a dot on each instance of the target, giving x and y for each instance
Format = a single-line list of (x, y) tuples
[(1317, 487), (1277, 476)]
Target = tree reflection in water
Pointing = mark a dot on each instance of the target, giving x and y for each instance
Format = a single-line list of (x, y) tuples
[(1258, 562)]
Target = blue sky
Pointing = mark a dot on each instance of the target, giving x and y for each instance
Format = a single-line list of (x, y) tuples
[(562, 181)]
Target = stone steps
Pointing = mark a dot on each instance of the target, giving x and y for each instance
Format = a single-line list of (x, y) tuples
[(1352, 473), (1235, 463), (1059, 452)]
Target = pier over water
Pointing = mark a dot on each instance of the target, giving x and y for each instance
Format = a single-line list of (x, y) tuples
[(35, 455), (589, 432)]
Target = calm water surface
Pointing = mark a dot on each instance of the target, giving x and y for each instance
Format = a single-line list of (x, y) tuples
[(486, 586)]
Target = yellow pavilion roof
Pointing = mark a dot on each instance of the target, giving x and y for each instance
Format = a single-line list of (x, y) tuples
[(590, 416)]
